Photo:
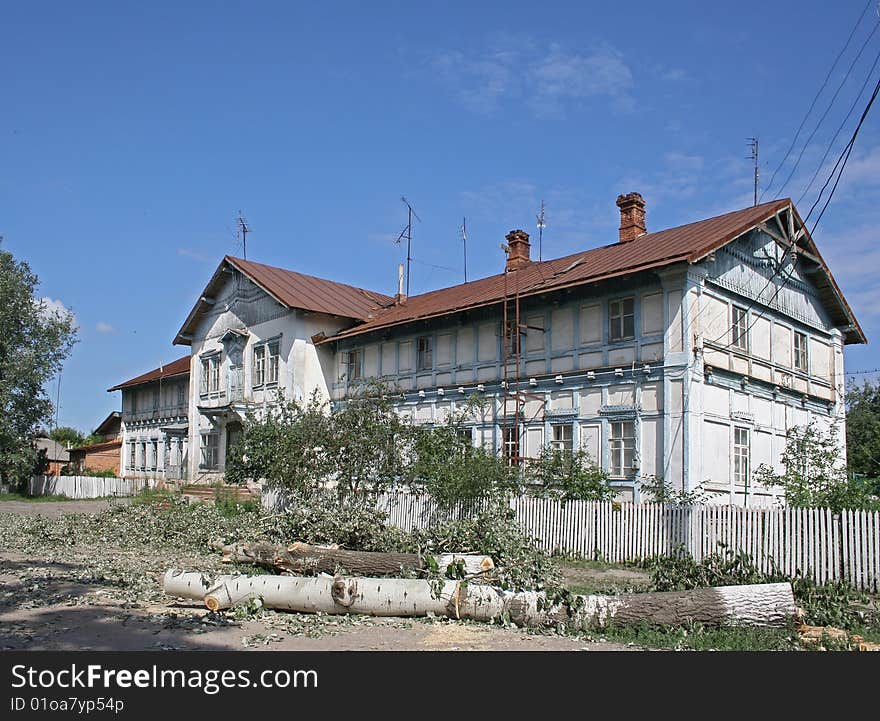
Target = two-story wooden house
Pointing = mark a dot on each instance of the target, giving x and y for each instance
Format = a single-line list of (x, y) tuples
[(685, 354), (154, 423)]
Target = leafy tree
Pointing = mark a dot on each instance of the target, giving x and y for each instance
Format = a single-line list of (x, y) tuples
[(863, 430), (65, 435), (814, 474), (570, 476), (361, 446), (453, 470), (34, 341)]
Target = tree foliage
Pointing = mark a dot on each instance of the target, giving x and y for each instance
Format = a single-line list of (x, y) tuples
[(863, 430), (570, 476), (453, 470), (361, 446), (814, 474), (66, 435), (34, 341)]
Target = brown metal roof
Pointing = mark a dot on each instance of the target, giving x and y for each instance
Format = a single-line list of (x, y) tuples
[(179, 367), (295, 290), (687, 243)]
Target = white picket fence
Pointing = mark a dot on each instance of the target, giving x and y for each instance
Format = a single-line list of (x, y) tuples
[(86, 486), (812, 542)]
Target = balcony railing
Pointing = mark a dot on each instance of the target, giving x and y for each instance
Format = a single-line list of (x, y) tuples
[(149, 414)]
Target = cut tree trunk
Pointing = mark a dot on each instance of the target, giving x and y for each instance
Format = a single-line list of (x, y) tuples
[(302, 558), (755, 605)]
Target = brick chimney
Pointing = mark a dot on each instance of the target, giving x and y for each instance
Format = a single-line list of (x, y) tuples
[(517, 249), (632, 216)]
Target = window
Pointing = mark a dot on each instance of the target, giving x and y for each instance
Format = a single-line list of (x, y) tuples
[(142, 457), (800, 351), (465, 435), (621, 319), (510, 442), (741, 456), (623, 445), (512, 338), (156, 398), (210, 380), (425, 360), (154, 455), (133, 401), (354, 365), (273, 349), (259, 365), (209, 449), (740, 328), (181, 394), (130, 465), (562, 438)]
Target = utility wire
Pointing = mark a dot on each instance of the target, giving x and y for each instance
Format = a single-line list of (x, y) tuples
[(828, 109), (815, 99), (842, 160), (840, 128)]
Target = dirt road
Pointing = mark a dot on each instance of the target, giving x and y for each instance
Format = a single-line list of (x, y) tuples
[(64, 601)]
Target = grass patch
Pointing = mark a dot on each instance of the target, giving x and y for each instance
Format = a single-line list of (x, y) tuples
[(698, 638)]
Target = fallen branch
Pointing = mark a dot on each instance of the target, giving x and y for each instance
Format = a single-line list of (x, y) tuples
[(755, 605), (303, 558)]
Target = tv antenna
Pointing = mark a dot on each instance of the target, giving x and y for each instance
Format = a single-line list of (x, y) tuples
[(407, 233), (242, 229), (464, 244), (753, 156), (541, 226)]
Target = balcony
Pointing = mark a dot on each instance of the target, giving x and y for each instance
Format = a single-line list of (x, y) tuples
[(154, 414)]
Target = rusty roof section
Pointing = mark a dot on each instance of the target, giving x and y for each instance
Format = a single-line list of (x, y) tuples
[(293, 290), (686, 244), (176, 368), (296, 290)]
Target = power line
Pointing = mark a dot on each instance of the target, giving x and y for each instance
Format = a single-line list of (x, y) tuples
[(840, 128), (815, 99), (841, 161), (844, 157), (828, 109)]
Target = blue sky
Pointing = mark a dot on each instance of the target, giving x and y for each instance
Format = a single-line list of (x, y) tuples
[(131, 135)]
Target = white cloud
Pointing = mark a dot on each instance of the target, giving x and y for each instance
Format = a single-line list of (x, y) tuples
[(55, 308), (547, 81), (103, 327), (193, 255)]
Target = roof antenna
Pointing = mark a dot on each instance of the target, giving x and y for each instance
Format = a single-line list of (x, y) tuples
[(407, 233), (464, 243), (753, 156), (242, 229), (541, 226)]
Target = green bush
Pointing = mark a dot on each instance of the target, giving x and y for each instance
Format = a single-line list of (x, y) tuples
[(569, 476)]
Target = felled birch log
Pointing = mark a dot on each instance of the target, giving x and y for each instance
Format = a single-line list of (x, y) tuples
[(303, 558), (753, 605)]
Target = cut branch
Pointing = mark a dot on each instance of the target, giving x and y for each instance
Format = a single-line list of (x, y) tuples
[(302, 558)]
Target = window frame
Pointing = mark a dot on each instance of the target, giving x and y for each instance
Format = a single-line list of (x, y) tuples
[(619, 446), (742, 456), (209, 451), (562, 445), (209, 378), (425, 356), (800, 353), (509, 444), (739, 333), (617, 316), (354, 364)]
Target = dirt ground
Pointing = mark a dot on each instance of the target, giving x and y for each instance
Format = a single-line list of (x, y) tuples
[(46, 605)]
